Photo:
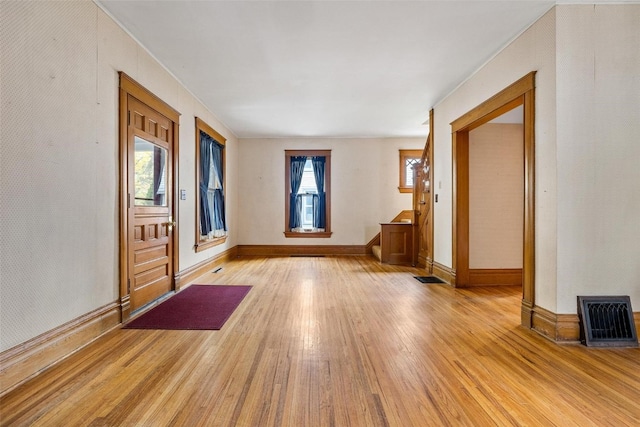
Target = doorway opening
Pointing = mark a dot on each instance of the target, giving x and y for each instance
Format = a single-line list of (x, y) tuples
[(519, 94)]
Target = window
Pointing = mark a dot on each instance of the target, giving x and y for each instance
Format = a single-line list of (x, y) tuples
[(408, 158), (211, 226), (307, 193)]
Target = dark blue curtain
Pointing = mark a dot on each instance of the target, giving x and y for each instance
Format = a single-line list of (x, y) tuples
[(218, 195), (319, 203), (295, 202), (206, 223)]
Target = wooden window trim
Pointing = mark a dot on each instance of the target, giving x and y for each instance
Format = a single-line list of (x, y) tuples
[(327, 189), (405, 154), (202, 245)]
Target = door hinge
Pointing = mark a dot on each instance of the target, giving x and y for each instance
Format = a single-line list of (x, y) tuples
[(128, 285), (129, 118), (128, 200)]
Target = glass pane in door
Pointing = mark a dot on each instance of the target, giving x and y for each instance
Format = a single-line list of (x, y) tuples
[(150, 172)]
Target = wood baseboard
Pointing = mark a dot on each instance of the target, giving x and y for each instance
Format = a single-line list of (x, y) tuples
[(564, 328), (20, 363), (526, 314), (426, 263), (293, 250), (443, 272), (495, 276), (190, 273)]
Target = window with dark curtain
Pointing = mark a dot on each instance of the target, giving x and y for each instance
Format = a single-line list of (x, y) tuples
[(295, 201), (308, 189), (211, 221)]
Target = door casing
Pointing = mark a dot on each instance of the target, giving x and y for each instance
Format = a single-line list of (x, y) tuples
[(521, 92)]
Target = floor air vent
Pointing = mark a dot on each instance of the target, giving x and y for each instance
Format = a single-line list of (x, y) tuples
[(607, 322), (428, 279)]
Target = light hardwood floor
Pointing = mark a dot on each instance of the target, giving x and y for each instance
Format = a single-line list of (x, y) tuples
[(338, 341)]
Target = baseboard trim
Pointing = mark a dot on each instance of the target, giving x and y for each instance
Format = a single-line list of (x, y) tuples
[(191, 273), (426, 263), (562, 328), (526, 314), (443, 272), (495, 276), (289, 250), (25, 361)]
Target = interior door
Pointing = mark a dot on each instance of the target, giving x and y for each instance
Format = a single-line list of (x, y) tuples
[(150, 204)]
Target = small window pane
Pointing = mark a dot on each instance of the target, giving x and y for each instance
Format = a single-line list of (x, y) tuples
[(409, 162), (150, 173), (308, 183)]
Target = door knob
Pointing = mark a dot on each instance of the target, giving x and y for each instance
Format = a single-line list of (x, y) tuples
[(170, 224)]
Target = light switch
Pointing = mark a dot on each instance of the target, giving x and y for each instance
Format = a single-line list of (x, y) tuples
[(183, 194)]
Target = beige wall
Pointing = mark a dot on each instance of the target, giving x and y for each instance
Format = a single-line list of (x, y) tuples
[(598, 105), (59, 162), (533, 50), (587, 126), (496, 196), (364, 182)]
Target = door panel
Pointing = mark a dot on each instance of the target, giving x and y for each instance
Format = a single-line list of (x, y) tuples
[(150, 269)]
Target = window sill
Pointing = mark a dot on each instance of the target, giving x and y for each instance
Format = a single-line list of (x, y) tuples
[(206, 244), (405, 189), (310, 234)]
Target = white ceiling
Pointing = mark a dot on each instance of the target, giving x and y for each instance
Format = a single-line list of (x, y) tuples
[(323, 68)]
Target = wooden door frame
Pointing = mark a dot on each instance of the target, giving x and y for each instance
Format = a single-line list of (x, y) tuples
[(128, 86), (522, 92)]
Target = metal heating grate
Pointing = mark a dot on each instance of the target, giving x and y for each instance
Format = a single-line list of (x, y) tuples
[(428, 279), (607, 321)]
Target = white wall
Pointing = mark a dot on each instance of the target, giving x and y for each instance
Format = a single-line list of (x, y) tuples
[(59, 162), (598, 103), (533, 50), (364, 188), (496, 195)]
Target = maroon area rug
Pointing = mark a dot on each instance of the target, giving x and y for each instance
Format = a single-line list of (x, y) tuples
[(197, 307)]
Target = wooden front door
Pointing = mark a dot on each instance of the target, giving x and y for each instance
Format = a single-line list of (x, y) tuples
[(150, 224)]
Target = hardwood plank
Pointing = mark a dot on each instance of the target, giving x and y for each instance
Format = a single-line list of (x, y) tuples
[(338, 341)]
